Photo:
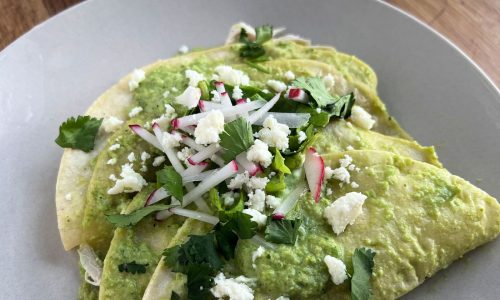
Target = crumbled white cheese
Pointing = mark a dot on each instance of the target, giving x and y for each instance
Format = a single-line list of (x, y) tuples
[(328, 173), (274, 134), (164, 120), (145, 156), (351, 167), (289, 75), (209, 128), (194, 77), (336, 268), (174, 89), (257, 183), (346, 161), (344, 211), (276, 85), (184, 154), (256, 254), (232, 76), (129, 183), (349, 148), (68, 196), (318, 110), (135, 111), (361, 117), (232, 288), (272, 201), (131, 157), (166, 93), (257, 200), (237, 93), (170, 140), (302, 136), (282, 298), (354, 185), (183, 49), (190, 97), (329, 191), (259, 153), (257, 216), (111, 161), (114, 147), (329, 81), (158, 160), (238, 181), (272, 174), (143, 168), (342, 174), (111, 124), (228, 198), (215, 96), (137, 76), (112, 177)]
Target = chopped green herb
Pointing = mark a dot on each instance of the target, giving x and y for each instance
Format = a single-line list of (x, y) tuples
[(335, 106), (199, 282), (362, 261), (236, 138), (282, 231), (169, 179), (276, 183), (132, 267), (232, 227), (198, 250), (254, 49), (279, 163), (205, 93), (218, 204), (133, 218), (78, 133)]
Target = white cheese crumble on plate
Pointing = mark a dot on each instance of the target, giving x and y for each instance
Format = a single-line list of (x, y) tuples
[(344, 211), (336, 268)]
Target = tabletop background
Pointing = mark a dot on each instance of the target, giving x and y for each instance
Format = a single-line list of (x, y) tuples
[(473, 25)]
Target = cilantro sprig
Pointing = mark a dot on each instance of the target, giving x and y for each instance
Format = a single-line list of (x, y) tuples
[(334, 105), (236, 138), (362, 261), (283, 231), (79, 133), (132, 267), (254, 50), (169, 179), (125, 220)]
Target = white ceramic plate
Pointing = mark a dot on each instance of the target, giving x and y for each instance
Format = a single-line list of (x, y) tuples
[(60, 67)]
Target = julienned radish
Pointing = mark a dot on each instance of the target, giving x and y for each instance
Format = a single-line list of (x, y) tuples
[(228, 112), (315, 172), (145, 135), (224, 173)]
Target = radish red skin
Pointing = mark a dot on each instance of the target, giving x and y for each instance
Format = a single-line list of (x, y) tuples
[(316, 189)]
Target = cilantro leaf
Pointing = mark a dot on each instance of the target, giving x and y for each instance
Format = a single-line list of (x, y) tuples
[(233, 226), (263, 34), (362, 261), (78, 133), (254, 49), (335, 106), (282, 231), (198, 250), (133, 218), (132, 267), (169, 179), (279, 163), (276, 183), (236, 138), (218, 204), (342, 108), (199, 282)]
